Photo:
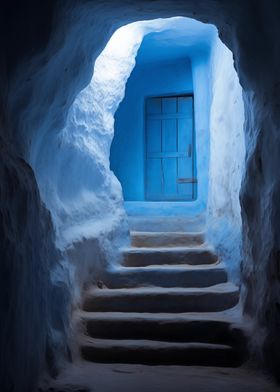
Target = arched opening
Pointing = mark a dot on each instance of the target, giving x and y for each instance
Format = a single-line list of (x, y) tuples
[(85, 199), (193, 94), (176, 61)]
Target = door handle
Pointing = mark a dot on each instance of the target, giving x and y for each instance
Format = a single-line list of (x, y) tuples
[(190, 150)]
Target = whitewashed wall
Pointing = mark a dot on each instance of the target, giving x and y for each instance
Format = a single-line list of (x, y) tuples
[(227, 159)]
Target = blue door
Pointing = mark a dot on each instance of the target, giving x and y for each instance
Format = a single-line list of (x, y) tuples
[(170, 151)]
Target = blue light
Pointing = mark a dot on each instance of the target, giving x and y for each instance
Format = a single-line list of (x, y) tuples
[(172, 60)]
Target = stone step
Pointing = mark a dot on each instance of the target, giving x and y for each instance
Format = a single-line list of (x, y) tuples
[(160, 300), (159, 353), (167, 276), (168, 223), (211, 328), (165, 239), (140, 257)]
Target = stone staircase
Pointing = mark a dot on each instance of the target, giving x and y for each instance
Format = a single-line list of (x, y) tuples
[(169, 303)]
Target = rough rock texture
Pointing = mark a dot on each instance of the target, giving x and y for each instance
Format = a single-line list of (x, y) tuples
[(227, 159), (34, 294), (85, 377), (260, 188), (49, 49), (34, 285)]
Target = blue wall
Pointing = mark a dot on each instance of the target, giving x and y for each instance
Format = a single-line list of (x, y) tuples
[(201, 68), (128, 149)]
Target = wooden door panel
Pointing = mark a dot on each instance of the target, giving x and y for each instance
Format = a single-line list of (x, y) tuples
[(183, 168), (185, 105), (153, 106), (154, 179), (184, 135), (169, 105), (169, 168), (169, 142), (170, 160), (153, 136), (184, 188)]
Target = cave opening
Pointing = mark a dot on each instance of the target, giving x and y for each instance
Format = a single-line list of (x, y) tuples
[(141, 246), (106, 129), (183, 56), (66, 218)]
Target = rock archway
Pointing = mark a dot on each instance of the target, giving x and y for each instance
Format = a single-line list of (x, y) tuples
[(49, 54)]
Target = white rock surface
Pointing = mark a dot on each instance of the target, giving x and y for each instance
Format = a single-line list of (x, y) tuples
[(227, 160)]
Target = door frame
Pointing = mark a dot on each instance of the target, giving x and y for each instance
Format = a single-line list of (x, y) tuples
[(194, 173)]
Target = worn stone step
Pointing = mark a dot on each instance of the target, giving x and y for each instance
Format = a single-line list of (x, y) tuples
[(159, 353), (165, 239), (140, 257), (160, 300), (167, 276), (211, 328), (166, 222)]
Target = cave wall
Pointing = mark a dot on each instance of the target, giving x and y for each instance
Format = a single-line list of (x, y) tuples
[(227, 159), (257, 60), (35, 285), (72, 167), (35, 291), (47, 60)]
